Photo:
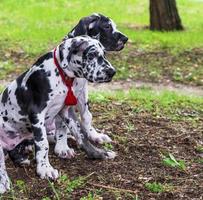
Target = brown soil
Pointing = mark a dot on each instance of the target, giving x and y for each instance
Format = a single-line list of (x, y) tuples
[(139, 160)]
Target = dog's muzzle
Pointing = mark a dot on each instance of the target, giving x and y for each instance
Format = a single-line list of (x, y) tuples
[(121, 42)]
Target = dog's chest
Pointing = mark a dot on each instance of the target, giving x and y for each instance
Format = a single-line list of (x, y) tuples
[(56, 104), (59, 95)]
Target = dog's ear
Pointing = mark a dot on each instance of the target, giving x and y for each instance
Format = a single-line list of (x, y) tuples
[(84, 25), (77, 46)]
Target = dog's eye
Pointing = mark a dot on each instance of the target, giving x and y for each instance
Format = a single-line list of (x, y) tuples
[(107, 26), (91, 56)]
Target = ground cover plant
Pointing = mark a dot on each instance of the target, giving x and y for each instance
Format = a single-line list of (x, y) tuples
[(30, 28)]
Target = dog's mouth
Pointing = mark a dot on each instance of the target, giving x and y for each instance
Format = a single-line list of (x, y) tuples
[(107, 80), (120, 45), (117, 46)]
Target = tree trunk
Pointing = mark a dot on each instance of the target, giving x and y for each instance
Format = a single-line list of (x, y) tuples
[(164, 15)]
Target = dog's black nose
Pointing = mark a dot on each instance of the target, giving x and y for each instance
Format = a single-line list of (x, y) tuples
[(124, 39), (110, 72)]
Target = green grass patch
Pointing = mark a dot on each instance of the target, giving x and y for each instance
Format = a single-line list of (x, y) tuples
[(35, 26), (157, 187), (163, 103), (171, 161), (31, 28), (6, 68)]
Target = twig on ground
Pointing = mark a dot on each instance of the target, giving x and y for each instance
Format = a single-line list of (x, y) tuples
[(113, 188)]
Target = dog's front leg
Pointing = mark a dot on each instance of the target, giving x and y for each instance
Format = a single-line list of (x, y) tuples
[(4, 180), (82, 140), (44, 168), (61, 147), (86, 118)]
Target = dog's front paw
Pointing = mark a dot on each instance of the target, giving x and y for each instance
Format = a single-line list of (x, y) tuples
[(110, 155), (64, 151), (4, 182), (46, 171), (100, 138)]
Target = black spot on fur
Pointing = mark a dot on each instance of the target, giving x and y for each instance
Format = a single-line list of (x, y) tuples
[(100, 60), (78, 62), (11, 134), (57, 72), (98, 73), (67, 121), (18, 154), (5, 96), (34, 98), (48, 73), (5, 119), (61, 47), (23, 119), (37, 148), (29, 129), (33, 118), (37, 134), (76, 74), (43, 58)]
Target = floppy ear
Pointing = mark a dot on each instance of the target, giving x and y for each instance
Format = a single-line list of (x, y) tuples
[(84, 25), (77, 46)]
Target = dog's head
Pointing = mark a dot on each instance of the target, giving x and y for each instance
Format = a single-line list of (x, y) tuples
[(101, 28), (83, 57)]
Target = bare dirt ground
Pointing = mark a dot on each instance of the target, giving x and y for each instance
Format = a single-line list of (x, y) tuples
[(140, 140)]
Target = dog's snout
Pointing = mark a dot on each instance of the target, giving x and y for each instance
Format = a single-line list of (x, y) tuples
[(124, 39), (110, 72), (121, 37)]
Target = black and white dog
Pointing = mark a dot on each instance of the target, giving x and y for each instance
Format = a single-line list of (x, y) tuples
[(103, 29), (31, 103)]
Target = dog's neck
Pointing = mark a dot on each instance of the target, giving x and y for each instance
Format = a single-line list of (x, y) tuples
[(66, 68), (68, 81)]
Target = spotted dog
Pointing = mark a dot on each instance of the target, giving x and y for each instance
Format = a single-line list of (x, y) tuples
[(103, 29), (31, 103)]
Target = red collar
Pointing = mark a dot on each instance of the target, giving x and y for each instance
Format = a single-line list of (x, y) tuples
[(70, 100)]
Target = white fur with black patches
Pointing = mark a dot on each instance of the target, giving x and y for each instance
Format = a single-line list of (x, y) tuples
[(38, 96), (103, 29)]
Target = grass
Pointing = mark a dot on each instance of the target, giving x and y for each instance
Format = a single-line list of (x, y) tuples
[(34, 26), (159, 65), (167, 103), (157, 187), (30, 28), (171, 161)]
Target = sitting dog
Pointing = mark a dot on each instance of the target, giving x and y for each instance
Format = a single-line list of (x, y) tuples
[(103, 29), (31, 103)]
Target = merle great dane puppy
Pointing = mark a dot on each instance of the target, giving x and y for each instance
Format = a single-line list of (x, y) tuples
[(103, 29), (31, 103)]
